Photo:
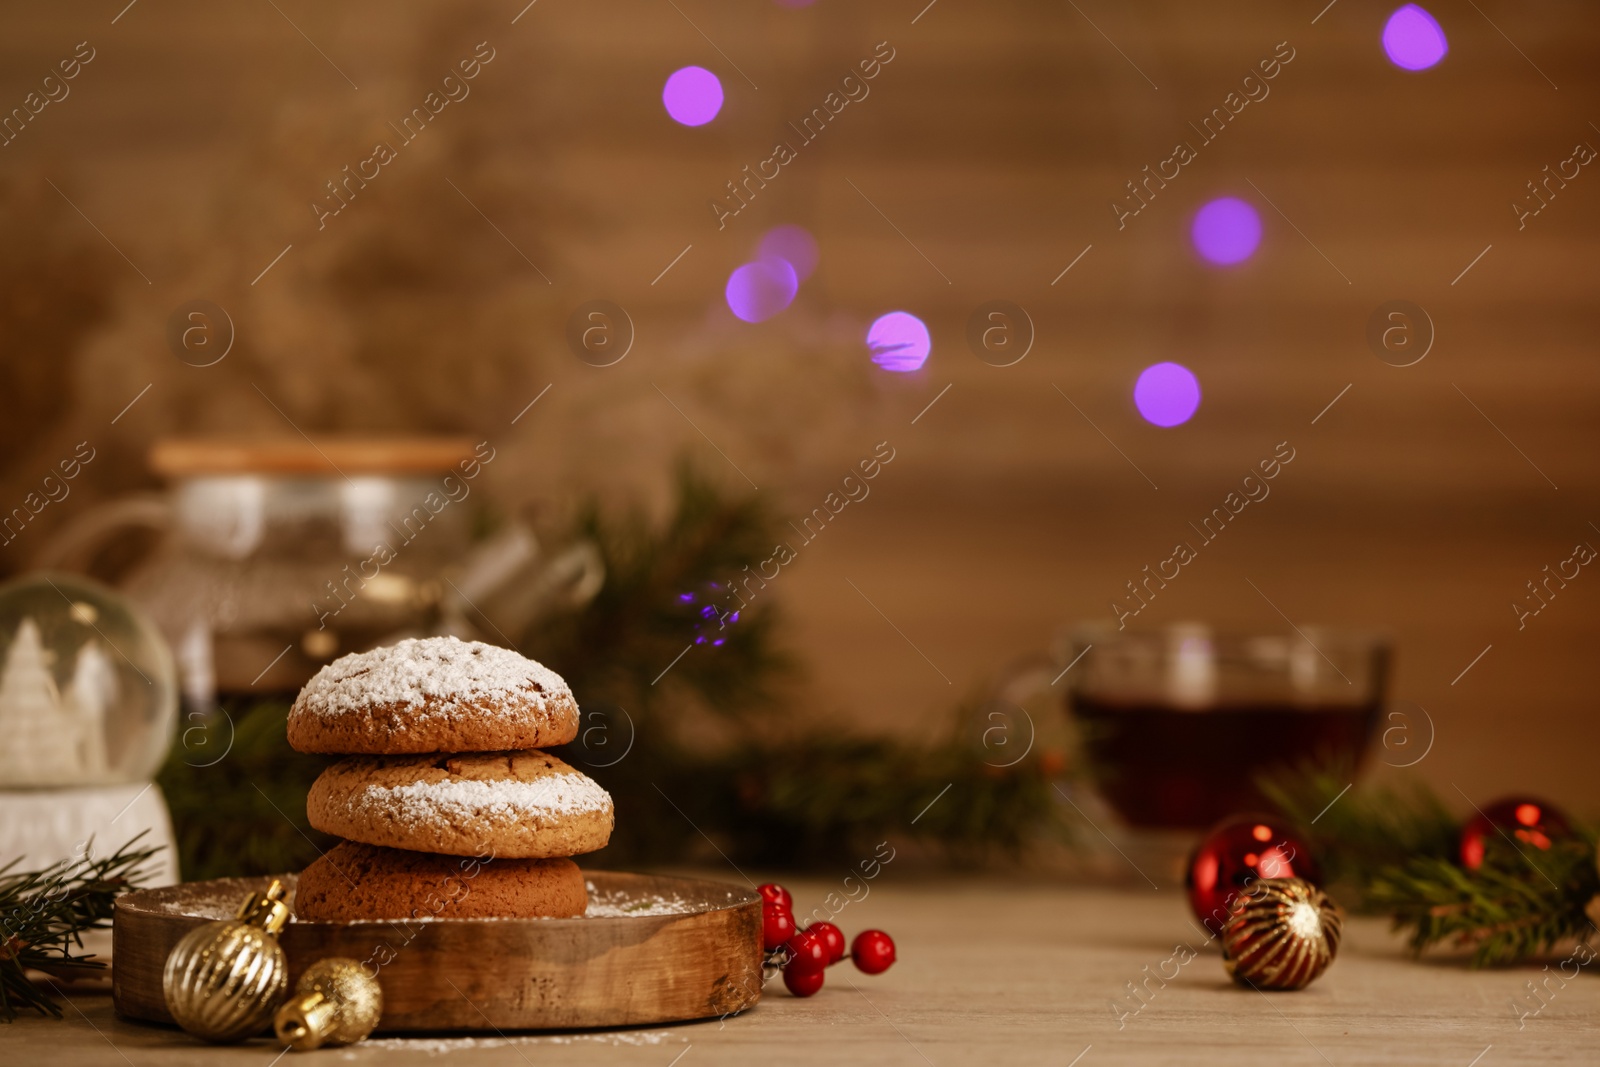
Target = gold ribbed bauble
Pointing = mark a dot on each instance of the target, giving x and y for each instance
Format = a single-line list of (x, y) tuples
[(335, 1003), (224, 980), (1281, 934)]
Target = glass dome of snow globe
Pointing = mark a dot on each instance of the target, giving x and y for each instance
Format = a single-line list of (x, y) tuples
[(88, 690)]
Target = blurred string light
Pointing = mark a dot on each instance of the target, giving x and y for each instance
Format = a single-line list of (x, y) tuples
[(757, 291), (1167, 394), (899, 342), (1413, 39), (793, 244), (1226, 231), (692, 96), (709, 622), (786, 257)]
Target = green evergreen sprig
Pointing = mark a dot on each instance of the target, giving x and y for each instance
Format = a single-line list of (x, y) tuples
[(245, 813), (1396, 852), (44, 915), (717, 752), (1518, 903), (1358, 833)]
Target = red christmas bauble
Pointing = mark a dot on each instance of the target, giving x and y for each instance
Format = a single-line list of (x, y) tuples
[(872, 951), (1528, 821), (1235, 854)]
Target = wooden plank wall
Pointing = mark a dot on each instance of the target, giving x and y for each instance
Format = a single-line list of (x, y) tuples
[(981, 164)]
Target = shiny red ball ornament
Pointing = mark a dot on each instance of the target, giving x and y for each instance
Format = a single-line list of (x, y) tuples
[(1238, 852), (832, 938), (777, 925), (1528, 821), (872, 951), (772, 893)]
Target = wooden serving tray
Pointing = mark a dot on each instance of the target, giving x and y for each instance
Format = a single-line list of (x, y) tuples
[(650, 950)]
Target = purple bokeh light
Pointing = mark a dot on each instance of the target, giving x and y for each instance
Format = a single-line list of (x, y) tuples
[(794, 244), (692, 96), (1167, 394), (1226, 231), (757, 291), (1413, 39), (899, 342)]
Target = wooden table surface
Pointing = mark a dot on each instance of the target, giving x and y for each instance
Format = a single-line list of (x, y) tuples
[(996, 971)]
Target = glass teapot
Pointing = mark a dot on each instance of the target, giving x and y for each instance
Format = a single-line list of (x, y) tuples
[(276, 557)]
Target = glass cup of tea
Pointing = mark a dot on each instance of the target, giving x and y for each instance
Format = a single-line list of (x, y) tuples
[(1176, 723)]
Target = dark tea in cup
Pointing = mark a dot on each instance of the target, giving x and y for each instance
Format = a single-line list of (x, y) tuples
[(1178, 723)]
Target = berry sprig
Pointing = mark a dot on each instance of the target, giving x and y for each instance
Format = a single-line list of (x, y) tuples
[(804, 955)]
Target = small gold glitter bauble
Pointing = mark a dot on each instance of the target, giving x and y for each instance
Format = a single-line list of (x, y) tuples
[(1281, 934), (335, 1003), (224, 979)]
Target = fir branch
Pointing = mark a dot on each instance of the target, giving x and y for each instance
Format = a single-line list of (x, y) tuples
[(1518, 903), (617, 647), (1359, 833), (45, 913), (1397, 852), (245, 813), (822, 799)]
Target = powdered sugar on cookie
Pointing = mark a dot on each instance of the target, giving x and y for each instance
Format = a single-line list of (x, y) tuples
[(457, 800), (432, 672)]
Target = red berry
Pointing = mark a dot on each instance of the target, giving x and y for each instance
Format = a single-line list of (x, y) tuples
[(773, 893), (807, 952), (803, 983), (872, 951), (777, 925), (832, 937)]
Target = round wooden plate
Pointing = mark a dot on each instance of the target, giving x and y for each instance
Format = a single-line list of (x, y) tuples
[(649, 950)]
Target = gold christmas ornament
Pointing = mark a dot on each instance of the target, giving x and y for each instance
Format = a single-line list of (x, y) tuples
[(335, 1003), (224, 979), (1282, 934)]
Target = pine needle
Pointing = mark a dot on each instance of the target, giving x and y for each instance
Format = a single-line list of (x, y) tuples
[(1359, 833), (1396, 852), (45, 913), (1518, 903)]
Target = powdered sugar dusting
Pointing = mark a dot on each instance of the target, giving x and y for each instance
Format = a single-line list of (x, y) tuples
[(444, 1046), (457, 800), (208, 900), (621, 904), (418, 671)]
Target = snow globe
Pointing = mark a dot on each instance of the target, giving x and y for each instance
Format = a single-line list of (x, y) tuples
[(88, 709)]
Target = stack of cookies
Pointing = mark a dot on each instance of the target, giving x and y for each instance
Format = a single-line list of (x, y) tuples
[(447, 805)]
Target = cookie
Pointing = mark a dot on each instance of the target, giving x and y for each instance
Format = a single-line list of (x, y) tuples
[(434, 694), (515, 805), (355, 881)]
